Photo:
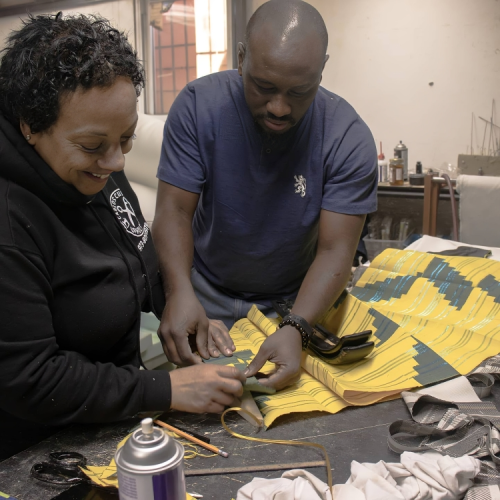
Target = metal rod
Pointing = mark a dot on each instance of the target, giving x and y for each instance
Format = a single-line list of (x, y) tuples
[(487, 121), (412, 194), (252, 468), (491, 134), (471, 134), (491, 129), (442, 180), (454, 211), (484, 137)]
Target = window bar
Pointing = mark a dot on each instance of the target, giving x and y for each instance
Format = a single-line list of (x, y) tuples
[(186, 41), (160, 68), (173, 53), (210, 36)]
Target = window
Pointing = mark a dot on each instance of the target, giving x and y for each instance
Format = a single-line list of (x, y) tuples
[(189, 40)]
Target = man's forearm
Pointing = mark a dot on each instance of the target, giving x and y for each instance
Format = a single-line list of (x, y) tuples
[(173, 236), (330, 271), (324, 282), (173, 239), (326, 278)]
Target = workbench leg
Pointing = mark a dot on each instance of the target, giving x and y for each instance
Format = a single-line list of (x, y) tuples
[(431, 199)]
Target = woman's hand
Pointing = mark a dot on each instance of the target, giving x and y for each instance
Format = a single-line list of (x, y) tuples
[(205, 388)]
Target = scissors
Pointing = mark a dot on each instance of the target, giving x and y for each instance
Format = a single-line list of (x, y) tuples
[(330, 348), (63, 468)]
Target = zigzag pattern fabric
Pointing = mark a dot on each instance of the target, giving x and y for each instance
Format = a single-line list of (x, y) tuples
[(433, 318)]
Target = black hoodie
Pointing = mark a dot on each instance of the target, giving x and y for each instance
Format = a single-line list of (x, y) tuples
[(75, 272)]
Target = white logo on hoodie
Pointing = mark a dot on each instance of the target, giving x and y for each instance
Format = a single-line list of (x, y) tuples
[(126, 216)]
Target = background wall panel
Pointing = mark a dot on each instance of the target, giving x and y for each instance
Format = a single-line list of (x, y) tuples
[(384, 53)]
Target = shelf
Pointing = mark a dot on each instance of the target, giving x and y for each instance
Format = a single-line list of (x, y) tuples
[(408, 191)]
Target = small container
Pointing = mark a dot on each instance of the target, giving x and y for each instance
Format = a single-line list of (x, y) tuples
[(150, 466), (418, 178), (396, 172), (401, 151), (383, 165)]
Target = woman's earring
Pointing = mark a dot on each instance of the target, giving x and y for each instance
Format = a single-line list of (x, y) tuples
[(28, 137)]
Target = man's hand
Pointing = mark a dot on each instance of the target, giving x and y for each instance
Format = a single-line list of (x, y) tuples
[(205, 388), (183, 316), (284, 348), (219, 339)]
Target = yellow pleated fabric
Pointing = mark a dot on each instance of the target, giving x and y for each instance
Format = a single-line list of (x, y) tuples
[(433, 317)]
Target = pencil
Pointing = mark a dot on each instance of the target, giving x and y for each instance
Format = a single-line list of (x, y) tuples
[(210, 447)]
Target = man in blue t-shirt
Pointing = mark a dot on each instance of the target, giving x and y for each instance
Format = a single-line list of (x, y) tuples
[(265, 180)]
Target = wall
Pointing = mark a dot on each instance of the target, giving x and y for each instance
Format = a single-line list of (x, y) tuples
[(384, 53)]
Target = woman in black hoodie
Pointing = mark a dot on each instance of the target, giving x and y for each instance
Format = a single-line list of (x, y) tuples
[(77, 262)]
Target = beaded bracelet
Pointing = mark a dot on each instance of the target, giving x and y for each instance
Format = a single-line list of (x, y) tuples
[(300, 324)]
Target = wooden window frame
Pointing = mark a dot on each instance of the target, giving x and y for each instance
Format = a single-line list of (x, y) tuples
[(236, 19)]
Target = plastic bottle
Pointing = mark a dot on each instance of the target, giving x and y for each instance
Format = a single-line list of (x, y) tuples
[(383, 166)]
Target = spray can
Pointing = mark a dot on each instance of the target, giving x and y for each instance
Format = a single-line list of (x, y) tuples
[(401, 151), (150, 466)]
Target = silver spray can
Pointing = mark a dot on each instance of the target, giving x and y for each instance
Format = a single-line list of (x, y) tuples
[(150, 466), (401, 151)]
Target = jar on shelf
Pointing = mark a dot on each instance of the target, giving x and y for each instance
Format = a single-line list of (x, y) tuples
[(396, 169)]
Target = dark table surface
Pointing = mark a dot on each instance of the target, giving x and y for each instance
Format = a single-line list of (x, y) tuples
[(353, 434)]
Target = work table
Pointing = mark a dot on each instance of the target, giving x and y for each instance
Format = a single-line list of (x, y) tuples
[(353, 434)]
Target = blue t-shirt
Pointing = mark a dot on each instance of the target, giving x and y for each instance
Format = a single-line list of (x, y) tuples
[(256, 225)]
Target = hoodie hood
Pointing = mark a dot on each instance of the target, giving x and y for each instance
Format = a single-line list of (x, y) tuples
[(20, 163)]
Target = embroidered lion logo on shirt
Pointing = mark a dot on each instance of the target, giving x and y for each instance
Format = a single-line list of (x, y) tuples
[(125, 214), (300, 185)]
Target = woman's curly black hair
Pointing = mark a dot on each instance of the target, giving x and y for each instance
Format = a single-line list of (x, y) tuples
[(51, 55)]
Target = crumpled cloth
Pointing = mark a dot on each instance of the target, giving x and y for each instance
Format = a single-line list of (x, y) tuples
[(295, 484), (419, 476)]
